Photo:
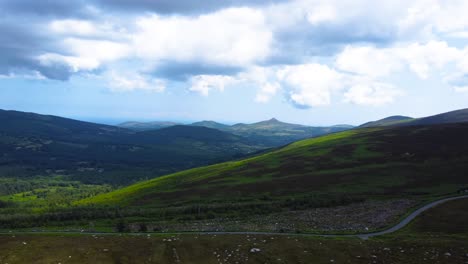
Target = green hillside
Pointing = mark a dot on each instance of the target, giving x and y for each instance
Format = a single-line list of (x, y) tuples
[(417, 162)]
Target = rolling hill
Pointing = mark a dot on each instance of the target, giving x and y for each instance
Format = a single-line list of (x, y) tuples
[(388, 162), (33, 144), (388, 121), (457, 116)]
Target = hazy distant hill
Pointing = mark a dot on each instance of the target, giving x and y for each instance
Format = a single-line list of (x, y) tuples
[(142, 126), (33, 144), (277, 133), (269, 133), (212, 124)]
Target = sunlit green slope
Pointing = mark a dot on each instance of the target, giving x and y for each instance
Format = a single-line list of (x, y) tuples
[(417, 161)]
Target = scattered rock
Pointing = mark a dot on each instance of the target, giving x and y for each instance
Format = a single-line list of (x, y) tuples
[(254, 250)]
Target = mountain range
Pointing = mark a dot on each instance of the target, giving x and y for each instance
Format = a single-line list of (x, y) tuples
[(271, 133)]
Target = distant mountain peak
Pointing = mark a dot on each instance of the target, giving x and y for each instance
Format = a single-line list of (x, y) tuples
[(273, 120)]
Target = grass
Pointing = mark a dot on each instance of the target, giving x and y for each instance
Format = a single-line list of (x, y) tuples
[(446, 219), (209, 249)]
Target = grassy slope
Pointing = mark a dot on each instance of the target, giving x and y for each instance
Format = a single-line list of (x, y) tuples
[(377, 162)]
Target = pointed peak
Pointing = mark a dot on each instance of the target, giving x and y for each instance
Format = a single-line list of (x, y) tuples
[(273, 120)]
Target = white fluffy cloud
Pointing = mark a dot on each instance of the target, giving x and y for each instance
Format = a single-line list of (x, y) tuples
[(73, 26), (372, 94), (368, 60), (203, 84), (310, 85), (234, 37), (381, 62), (423, 58), (130, 82), (267, 91)]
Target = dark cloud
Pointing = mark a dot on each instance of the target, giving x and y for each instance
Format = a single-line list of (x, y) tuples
[(21, 44), (303, 41), (179, 6), (23, 38), (57, 8), (182, 71)]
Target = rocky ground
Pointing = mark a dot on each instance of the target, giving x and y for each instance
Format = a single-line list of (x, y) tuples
[(358, 217)]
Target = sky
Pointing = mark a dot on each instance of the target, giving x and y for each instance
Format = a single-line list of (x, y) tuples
[(314, 62)]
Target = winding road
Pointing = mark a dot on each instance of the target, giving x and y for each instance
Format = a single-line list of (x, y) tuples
[(410, 217), (392, 229)]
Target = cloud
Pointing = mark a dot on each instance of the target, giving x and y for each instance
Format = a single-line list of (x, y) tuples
[(190, 7), (381, 62), (368, 60), (435, 16), (73, 27), (230, 38), (124, 83), (182, 71), (267, 91), (432, 55), (203, 84), (55, 8), (372, 94), (309, 85), (313, 51)]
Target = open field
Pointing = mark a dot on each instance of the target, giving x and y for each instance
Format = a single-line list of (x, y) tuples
[(207, 249)]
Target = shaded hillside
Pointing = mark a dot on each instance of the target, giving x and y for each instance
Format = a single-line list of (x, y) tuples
[(372, 162), (33, 144), (388, 121), (457, 116)]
